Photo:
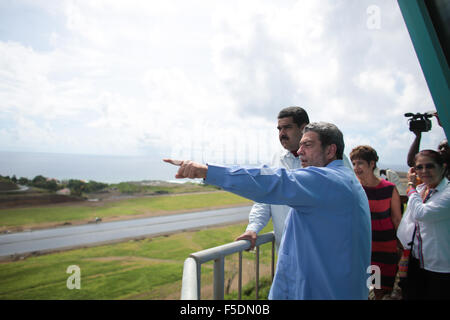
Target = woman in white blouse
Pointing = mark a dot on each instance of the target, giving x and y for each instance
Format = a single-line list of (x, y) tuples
[(429, 209)]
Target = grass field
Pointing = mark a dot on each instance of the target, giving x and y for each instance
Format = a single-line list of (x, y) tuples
[(158, 205), (137, 269), (141, 269)]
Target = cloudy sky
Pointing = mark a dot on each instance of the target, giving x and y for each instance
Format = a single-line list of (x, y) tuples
[(204, 79)]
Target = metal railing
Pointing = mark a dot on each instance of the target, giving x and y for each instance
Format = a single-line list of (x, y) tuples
[(191, 284)]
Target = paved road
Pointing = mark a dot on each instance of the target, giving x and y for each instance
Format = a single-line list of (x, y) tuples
[(103, 232), (21, 189)]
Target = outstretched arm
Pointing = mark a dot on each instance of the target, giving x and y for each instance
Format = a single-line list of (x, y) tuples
[(302, 187)]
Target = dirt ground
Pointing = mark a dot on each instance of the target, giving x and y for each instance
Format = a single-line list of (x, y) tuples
[(31, 199)]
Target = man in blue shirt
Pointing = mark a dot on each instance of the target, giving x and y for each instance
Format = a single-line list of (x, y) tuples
[(325, 249)]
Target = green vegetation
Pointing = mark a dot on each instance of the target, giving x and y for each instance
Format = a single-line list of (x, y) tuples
[(163, 188), (143, 269), (249, 290), (77, 187), (7, 184), (44, 183), (143, 205), (80, 187)]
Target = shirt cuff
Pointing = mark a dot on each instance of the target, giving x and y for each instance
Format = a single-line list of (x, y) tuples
[(410, 191), (215, 174), (254, 228)]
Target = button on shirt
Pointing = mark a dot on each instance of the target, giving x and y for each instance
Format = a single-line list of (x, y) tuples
[(326, 246)]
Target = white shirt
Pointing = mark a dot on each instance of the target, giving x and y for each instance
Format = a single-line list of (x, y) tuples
[(393, 177), (261, 213), (432, 240)]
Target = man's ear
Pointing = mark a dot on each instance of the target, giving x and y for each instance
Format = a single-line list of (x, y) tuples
[(331, 151), (302, 127)]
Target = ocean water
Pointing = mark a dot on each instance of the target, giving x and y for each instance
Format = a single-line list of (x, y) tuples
[(108, 169), (101, 168)]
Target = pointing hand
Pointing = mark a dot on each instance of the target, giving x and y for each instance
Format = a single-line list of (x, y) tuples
[(188, 169)]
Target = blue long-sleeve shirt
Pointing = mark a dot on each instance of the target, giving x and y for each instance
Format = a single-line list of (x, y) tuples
[(325, 249)]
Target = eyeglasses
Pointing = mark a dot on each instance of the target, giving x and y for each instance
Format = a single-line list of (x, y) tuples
[(427, 166)]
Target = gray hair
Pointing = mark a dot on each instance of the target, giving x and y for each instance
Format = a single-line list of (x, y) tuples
[(328, 134)]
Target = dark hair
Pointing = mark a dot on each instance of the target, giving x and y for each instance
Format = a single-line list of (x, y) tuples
[(433, 155), (366, 153), (444, 150), (328, 134), (299, 115), (443, 145)]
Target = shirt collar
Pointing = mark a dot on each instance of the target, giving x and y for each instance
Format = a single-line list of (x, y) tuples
[(286, 153), (335, 163), (442, 184), (295, 154)]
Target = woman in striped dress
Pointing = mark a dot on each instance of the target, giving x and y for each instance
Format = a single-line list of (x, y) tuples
[(385, 208)]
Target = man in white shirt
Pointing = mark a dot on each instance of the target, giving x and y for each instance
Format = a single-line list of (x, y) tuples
[(291, 121), (391, 176)]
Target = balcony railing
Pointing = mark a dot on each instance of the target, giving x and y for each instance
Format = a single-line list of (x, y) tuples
[(191, 285)]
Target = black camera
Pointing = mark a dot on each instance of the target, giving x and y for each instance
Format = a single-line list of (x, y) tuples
[(419, 122)]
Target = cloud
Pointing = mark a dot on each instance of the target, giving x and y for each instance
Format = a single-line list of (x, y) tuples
[(324, 56), (206, 79), (262, 53)]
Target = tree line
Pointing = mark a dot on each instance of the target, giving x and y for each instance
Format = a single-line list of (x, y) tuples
[(77, 187)]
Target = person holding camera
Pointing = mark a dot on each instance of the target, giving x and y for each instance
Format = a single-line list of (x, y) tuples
[(421, 123), (425, 229)]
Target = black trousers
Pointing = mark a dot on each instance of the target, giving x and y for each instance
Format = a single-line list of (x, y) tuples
[(425, 285)]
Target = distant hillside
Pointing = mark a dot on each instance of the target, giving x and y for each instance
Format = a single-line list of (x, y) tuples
[(7, 186), (34, 199)]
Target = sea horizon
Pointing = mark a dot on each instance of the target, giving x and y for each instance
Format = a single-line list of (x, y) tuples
[(100, 168), (88, 167)]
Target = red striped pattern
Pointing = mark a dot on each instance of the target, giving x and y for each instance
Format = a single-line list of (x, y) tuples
[(385, 246), (384, 241)]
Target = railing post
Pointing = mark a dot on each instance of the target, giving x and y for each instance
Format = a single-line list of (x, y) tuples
[(199, 280), (257, 274), (190, 288), (219, 278), (191, 283), (240, 277), (273, 258)]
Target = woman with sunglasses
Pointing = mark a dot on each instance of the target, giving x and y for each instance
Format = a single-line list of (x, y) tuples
[(429, 209)]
